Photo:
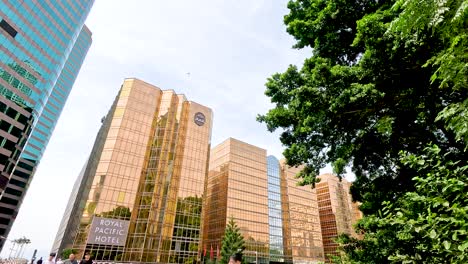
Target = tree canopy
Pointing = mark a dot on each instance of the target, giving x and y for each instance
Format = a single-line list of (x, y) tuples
[(428, 225), (384, 92), (67, 252), (380, 75), (119, 212), (233, 241)]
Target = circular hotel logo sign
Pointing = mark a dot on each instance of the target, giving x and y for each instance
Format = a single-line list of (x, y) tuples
[(199, 119)]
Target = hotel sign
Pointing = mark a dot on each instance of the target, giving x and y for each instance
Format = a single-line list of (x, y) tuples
[(107, 231), (199, 119)]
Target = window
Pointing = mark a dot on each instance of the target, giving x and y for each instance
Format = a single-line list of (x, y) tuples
[(4, 125), (9, 201), (119, 112), (6, 211), (13, 191), (18, 183), (8, 28), (9, 145), (4, 221), (3, 159), (22, 119), (3, 107), (11, 113), (16, 132), (25, 166), (21, 174)]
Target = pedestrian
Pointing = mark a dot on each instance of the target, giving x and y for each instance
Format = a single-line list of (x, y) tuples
[(59, 261), (71, 260), (235, 258), (50, 260), (39, 261), (87, 259)]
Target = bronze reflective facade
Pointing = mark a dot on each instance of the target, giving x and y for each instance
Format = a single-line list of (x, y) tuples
[(338, 213), (237, 187), (278, 219), (302, 232), (148, 167)]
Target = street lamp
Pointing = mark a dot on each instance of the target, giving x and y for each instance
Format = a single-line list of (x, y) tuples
[(12, 247), (20, 242)]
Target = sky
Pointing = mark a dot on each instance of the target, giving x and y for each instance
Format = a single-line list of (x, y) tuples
[(229, 48)]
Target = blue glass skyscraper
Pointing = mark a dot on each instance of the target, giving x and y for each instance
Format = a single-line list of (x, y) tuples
[(275, 215), (42, 47)]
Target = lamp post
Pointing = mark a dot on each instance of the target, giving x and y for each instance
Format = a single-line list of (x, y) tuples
[(12, 247), (34, 256), (20, 242)]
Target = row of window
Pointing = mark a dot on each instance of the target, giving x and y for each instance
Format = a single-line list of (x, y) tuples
[(44, 31)]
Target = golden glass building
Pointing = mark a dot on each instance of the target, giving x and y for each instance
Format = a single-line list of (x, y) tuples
[(278, 219), (338, 212), (139, 197), (303, 235), (237, 187)]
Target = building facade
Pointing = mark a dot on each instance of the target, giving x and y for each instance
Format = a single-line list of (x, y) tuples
[(338, 213), (42, 47), (146, 174), (238, 187), (302, 231), (275, 212), (278, 219)]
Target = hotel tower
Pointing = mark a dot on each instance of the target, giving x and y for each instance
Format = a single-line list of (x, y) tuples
[(139, 197)]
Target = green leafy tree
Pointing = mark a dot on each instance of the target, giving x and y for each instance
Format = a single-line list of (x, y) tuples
[(368, 92), (385, 77), (187, 225), (119, 212), (67, 252), (428, 225), (210, 261), (233, 241)]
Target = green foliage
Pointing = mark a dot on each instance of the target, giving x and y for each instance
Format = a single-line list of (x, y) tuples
[(119, 212), (210, 261), (456, 118), (67, 252), (429, 224), (233, 241), (369, 91), (385, 77), (187, 225)]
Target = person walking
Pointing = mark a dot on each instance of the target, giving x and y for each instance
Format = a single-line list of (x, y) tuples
[(50, 260), (235, 258), (87, 259), (39, 261), (71, 260)]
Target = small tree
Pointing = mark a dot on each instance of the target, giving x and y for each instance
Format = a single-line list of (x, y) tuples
[(233, 241), (67, 252)]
